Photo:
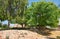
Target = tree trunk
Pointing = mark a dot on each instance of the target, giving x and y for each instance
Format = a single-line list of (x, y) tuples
[(22, 25)]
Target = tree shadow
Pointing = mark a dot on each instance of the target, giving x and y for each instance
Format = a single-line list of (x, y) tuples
[(14, 29), (44, 32)]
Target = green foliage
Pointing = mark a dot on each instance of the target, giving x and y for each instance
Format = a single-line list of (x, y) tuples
[(42, 14), (20, 12), (13, 10), (0, 25), (3, 6), (3, 26), (39, 13)]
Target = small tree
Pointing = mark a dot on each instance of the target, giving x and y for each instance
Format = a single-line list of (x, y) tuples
[(21, 6)]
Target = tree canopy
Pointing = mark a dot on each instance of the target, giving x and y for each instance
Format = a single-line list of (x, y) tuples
[(43, 14)]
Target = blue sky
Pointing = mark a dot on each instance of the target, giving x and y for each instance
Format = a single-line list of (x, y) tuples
[(57, 2)]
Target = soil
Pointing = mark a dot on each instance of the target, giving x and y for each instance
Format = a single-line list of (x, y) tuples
[(27, 34)]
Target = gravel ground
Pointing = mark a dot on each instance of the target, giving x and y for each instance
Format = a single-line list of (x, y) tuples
[(20, 34)]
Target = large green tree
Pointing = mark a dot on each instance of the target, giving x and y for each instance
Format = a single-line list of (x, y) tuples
[(42, 14)]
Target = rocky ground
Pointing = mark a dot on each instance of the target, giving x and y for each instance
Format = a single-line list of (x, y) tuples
[(20, 34), (27, 34)]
